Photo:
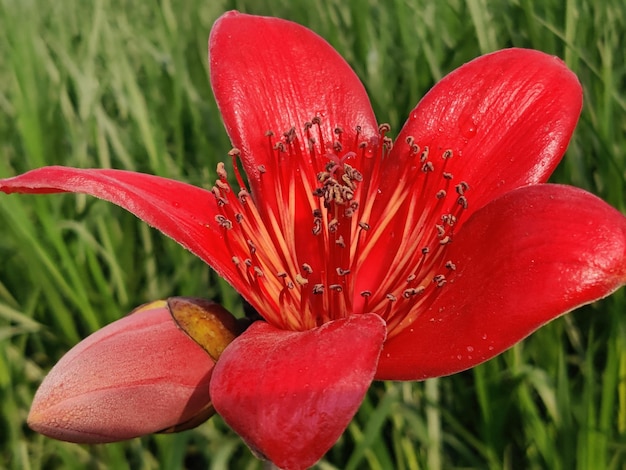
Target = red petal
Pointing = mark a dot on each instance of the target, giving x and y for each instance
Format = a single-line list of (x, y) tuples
[(138, 375), (181, 211), (290, 394), (522, 260), (270, 74), (507, 117)]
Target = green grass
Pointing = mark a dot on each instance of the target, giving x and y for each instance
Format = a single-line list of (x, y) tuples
[(123, 84)]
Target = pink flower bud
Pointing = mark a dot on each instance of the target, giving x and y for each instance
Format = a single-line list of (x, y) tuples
[(138, 375)]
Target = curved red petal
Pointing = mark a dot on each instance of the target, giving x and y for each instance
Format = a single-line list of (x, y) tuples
[(507, 117), (289, 394), (269, 74), (524, 259), (181, 211), (138, 375)]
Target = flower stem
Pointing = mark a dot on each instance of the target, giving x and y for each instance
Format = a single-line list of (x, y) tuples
[(433, 423)]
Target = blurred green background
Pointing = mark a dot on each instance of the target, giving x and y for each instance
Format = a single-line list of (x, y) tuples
[(114, 83)]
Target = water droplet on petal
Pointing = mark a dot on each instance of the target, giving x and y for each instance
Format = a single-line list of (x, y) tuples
[(467, 126)]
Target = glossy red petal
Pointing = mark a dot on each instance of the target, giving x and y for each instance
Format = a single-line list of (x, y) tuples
[(138, 375), (269, 74), (181, 211), (522, 260), (507, 117), (290, 395)]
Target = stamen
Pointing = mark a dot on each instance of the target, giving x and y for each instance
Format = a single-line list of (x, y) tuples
[(352, 211)]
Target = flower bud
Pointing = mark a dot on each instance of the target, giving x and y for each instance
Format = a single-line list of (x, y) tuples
[(138, 375)]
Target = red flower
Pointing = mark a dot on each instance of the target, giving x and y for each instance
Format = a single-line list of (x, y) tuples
[(369, 259), (101, 392)]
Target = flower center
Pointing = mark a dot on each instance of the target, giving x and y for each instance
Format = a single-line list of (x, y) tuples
[(343, 236)]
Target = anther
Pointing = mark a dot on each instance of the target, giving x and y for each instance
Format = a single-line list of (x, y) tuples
[(340, 241), (391, 297), (440, 194), (243, 195), (261, 169), (425, 250), (439, 280), (413, 291), (290, 135), (332, 225), (384, 128), (365, 226), (366, 293), (252, 246), (410, 277), (342, 272), (239, 217), (450, 265), (336, 287), (221, 170), (223, 185), (447, 154), (353, 173), (281, 274), (258, 271), (448, 219), (446, 175), (318, 288), (301, 280), (235, 152), (235, 260), (445, 240), (462, 201), (317, 226), (307, 268), (223, 222), (428, 166)]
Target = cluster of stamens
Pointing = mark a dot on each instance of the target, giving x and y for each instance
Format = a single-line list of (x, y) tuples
[(365, 251)]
